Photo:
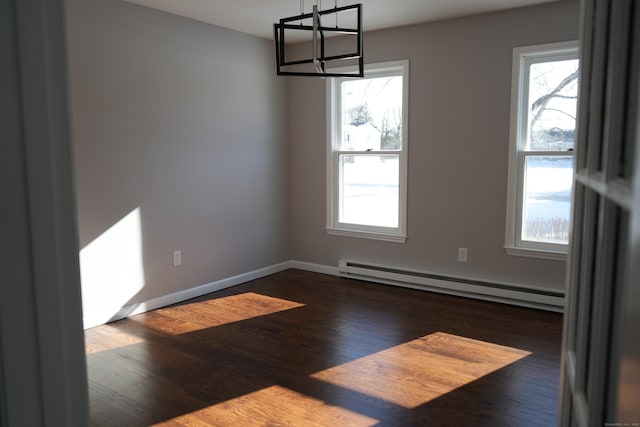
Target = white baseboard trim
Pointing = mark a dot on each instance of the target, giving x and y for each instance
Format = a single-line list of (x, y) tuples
[(450, 287), (96, 319), (314, 268), (100, 318)]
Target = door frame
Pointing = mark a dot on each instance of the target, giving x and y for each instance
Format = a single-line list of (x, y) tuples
[(43, 380)]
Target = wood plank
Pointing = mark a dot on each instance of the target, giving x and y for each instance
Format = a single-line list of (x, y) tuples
[(299, 348)]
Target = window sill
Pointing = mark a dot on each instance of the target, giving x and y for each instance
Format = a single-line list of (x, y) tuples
[(395, 238), (536, 253)]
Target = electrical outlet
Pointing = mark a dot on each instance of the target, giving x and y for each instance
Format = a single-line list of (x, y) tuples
[(462, 254), (177, 258)]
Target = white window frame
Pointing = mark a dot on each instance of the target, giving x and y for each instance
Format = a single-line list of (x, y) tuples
[(334, 131), (523, 57)]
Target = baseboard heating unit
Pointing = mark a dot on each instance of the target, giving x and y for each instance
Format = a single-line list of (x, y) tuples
[(527, 296)]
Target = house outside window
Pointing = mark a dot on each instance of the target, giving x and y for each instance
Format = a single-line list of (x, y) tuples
[(543, 123), (367, 153)]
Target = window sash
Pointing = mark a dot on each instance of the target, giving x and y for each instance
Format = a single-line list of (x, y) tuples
[(334, 133), (520, 208), (526, 61), (342, 188), (523, 58)]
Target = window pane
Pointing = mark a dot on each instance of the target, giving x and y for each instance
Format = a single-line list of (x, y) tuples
[(553, 96), (369, 190), (372, 114), (547, 198)]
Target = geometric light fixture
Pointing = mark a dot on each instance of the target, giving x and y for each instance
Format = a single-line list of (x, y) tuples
[(323, 56)]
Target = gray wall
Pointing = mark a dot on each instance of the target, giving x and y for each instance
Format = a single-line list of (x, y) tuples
[(185, 122), (185, 125), (460, 79)]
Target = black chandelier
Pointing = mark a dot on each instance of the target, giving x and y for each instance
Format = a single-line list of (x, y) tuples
[(324, 57)]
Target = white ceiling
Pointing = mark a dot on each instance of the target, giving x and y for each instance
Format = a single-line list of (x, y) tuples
[(258, 16)]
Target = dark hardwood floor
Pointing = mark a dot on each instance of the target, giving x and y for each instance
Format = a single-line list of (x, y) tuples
[(299, 349)]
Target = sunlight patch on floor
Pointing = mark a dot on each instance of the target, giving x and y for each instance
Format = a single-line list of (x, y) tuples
[(214, 312), (108, 337), (187, 318), (275, 405), (421, 370)]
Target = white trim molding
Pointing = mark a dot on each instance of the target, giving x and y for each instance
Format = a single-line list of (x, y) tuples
[(508, 293), (536, 253), (101, 317), (314, 268), (334, 151), (522, 58)]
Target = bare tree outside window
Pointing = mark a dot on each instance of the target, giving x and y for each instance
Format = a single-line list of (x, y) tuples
[(553, 94), (372, 126)]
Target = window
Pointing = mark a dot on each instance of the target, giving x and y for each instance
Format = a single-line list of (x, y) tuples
[(543, 122), (367, 153)]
